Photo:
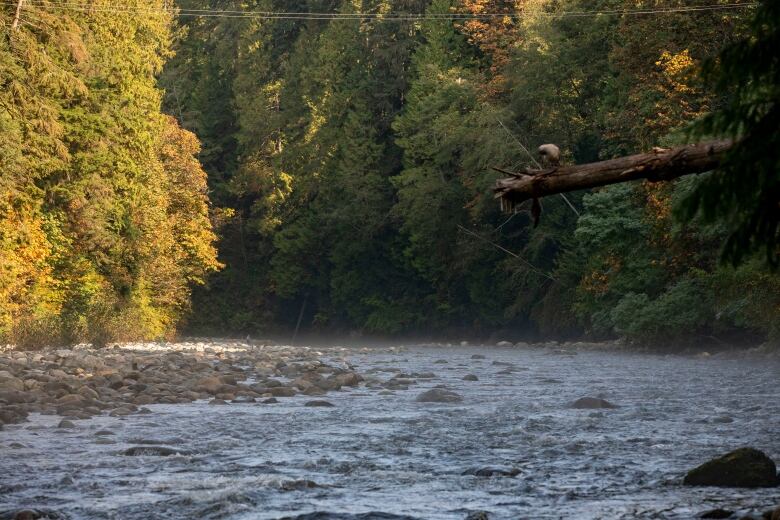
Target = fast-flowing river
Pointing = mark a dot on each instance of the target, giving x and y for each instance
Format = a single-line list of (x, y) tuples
[(379, 453)]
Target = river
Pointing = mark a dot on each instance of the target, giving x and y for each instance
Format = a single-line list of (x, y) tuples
[(380, 451)]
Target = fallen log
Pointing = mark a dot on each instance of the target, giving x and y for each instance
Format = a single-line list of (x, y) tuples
[(662, 164)]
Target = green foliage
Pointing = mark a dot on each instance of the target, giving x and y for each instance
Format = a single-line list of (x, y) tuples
[(355, 159), (350, 166), (681, 311), (745, 190), (103, 208)]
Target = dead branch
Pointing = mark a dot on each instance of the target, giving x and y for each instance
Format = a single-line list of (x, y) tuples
[(662, 164)]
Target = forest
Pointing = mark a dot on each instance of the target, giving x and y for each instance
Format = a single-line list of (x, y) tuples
[(226, 168)]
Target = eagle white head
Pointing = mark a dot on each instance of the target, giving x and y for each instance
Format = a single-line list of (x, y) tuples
[(550, 155)]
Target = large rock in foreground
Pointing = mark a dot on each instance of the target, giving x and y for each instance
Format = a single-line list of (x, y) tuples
[(745, 467)]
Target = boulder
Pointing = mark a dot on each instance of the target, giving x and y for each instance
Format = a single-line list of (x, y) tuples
[(492, 472), (123, 410), (723, 420), (150, 451), (347, 379), (281, 391), (9, 382), (70, 400), (745, 467), (470, 377), (439, 395), (209, 384), (15, 397), (591, 403), (319, 404), (31, 514), (12, 414), (716, 513), (87, 392), (57, 388), (297, 485)]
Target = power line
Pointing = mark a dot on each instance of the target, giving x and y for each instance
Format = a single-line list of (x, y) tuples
[(392, 16), (528, 264)]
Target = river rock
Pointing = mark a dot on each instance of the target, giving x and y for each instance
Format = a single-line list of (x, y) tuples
[(347, 379), (478, 515), (470, 377), (150, 451), (439, 395), (145, 399), (12, 414), (716, 513), (296, 485), (327, 515), (319, 404), (123, 411), (87, 392), (31, 514), (9, 382), (15, 397), (209, 384), (70, 400), (591, 403), (66, 424), (281, 391), (745, 467), (57, 388), (492, 472)]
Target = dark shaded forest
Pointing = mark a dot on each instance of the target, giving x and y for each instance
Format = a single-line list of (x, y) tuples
[(343, 170)]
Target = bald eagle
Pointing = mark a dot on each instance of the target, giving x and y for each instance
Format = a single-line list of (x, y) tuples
[(550, 155)]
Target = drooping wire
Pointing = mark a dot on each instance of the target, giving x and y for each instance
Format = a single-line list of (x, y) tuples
[(397, 16)]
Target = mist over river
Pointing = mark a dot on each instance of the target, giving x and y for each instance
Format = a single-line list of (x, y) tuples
[(379, 450)]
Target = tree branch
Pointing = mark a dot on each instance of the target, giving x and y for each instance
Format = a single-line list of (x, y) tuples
[(15, 23), (662, 164)]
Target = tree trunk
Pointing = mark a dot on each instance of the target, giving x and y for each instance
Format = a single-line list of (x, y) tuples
[(662, 164)]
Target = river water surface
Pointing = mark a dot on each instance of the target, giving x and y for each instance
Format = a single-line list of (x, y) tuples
[(382, 452)]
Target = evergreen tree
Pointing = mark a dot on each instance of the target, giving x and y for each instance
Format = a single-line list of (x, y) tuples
[(744, 192), (101, 204)]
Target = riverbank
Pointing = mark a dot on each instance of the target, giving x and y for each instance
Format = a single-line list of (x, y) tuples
[(120, 380), (715, 350)]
